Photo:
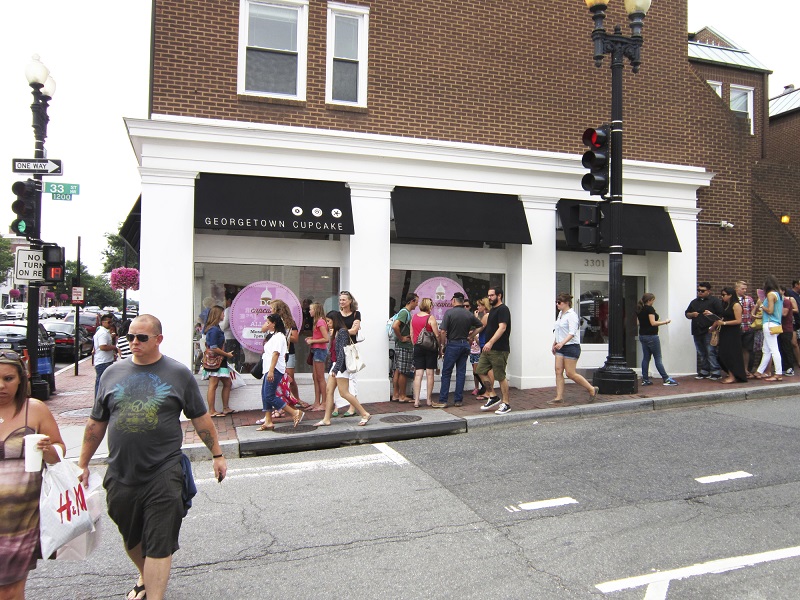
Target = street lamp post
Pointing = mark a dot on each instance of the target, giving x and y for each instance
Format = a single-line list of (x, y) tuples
[(614, 377), (43, 87)]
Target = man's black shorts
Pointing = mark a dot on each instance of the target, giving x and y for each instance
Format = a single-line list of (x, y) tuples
[(150, 513)]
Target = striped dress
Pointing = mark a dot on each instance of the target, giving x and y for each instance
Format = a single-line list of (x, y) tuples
[(19, 508)]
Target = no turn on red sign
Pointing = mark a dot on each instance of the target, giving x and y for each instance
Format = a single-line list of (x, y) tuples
[(77, 296)]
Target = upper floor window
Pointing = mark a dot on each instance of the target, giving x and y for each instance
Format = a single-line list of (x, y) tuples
[(716, 86), (272, 48), (742, 103), (346, 79)]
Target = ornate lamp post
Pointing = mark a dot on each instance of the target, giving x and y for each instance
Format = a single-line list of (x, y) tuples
[(615, 377), (44, 87)]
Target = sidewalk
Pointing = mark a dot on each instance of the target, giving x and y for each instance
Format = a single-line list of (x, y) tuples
[(73, 400)]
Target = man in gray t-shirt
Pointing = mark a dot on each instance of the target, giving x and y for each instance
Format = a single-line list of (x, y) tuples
[(139, 402), (458, 326)]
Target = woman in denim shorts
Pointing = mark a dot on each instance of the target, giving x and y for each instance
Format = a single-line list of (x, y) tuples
[(318, 346), (567, 349)]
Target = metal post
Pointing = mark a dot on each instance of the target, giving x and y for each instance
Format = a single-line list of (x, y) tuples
[(77, 354), (39, 389), (615, 377)]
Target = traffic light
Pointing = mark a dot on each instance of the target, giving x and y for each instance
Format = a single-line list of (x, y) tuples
[(54, 269), (589, 217), (25, 209), (596, 159)]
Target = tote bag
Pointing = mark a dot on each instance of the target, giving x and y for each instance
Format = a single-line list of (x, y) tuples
[(352, 359)]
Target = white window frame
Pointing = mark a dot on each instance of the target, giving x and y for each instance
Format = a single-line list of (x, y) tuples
[(362, 14), (750, 93), (716, 86), (302, 47)]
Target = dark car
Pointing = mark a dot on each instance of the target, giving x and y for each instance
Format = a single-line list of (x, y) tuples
[(63, 334), (14, 336), (89, 320)]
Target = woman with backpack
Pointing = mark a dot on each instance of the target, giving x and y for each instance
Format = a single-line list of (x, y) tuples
[(426, 348)]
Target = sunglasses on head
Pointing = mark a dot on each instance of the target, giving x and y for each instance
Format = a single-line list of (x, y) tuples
[(10, 354), (142, 337)]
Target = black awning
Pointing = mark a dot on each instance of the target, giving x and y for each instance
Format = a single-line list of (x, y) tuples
[(421, 213), (131, 229), (643, 227), (244, 202)]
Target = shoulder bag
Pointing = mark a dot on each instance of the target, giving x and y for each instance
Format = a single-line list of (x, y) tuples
[(257, 370), (715, 336), (352, 359), (211, 360)]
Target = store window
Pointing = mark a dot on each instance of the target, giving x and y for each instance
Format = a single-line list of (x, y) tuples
[(439, 286), (742, 103), (346, 80), (272, 48), (297, 286)]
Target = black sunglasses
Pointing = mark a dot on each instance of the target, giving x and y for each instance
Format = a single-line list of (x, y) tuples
[(142, 337), (701, 291)]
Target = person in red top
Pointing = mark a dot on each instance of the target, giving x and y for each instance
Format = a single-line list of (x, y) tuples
[(424, 360)]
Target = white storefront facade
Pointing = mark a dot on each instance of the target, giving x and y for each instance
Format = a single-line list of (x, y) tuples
[(181, 263)]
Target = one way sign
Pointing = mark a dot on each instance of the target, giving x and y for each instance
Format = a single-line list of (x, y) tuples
[(44, 166)]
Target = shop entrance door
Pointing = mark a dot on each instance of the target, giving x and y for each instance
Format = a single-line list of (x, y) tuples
[(591, 304)]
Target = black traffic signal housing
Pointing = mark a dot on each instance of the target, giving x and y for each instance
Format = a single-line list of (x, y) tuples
[(596, 159), (25, 208), (589, 217), (54, 268)]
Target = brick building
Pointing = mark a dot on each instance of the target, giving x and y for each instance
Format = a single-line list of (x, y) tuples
[(380, 146)]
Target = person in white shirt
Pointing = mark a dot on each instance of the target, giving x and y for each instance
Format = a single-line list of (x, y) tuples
[(274, 358), (104, 349), (567, 349)]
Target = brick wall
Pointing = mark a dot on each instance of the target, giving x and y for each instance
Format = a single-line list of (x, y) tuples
[(782, 137), (513, 74)]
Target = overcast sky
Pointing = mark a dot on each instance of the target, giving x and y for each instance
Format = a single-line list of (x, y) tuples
[(98, 53)]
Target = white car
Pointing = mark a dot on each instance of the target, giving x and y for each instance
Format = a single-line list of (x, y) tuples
[(16, 310)]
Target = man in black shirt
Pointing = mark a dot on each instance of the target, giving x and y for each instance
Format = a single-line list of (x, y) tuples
[(494, 356), (703, 311)]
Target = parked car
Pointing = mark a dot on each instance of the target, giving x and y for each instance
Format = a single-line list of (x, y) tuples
[(14, 336), (63, 334), (89, 320), (16, 310)]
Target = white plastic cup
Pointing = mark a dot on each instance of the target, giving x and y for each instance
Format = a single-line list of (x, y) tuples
[(33, 455)]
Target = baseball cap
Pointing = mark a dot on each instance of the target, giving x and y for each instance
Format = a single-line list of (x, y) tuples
[(459, 296)]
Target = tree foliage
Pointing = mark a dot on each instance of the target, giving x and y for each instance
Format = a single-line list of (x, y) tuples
[(114, 255), (6, 259)]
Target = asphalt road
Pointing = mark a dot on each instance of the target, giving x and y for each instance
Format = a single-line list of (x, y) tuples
[(587, 508)]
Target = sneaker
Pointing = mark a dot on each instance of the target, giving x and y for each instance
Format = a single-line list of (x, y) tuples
[(715, 377), (504, 408), (490, 402), (670, 381), (646, 382), (438, 404), (456, 404), (702, 377), (789, 372)]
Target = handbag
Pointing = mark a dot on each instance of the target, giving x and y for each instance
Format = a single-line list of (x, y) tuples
[(352, 360), (310, 358), (257, 370), (83, 545), (715, 336), (757, 322), (427, 340), (63, 511), (211, 360), (776, 329)]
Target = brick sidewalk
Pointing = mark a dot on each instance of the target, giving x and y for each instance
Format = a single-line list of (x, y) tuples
[(76, 394)]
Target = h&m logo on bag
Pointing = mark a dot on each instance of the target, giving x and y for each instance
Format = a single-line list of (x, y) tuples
[(70, 508)]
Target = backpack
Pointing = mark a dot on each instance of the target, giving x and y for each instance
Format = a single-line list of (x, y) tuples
[(390, 326)]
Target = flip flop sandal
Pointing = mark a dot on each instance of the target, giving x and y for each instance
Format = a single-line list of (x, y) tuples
[(230, 411), (364, 421), (137, 589)]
